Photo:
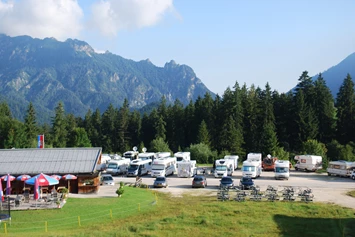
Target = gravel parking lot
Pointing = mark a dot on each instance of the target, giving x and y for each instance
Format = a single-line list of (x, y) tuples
[(325, 189)]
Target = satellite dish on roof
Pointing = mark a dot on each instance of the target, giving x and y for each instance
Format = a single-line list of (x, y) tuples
[(134, 148), (269, 156), (144, 149)]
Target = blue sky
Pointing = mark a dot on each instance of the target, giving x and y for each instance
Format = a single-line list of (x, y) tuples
[(223, 41)]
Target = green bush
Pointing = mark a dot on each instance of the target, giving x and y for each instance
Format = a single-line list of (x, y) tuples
[(202, 153)]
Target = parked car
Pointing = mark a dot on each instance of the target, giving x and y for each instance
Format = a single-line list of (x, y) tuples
[(107, 179), (246, 183), (160, 182), (226, 182), (199, 181), (353, 174)]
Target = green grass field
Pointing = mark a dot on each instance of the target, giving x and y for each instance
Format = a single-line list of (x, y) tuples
[(182, 216)]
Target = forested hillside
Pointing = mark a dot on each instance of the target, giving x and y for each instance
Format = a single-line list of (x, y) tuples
[(242, 120)]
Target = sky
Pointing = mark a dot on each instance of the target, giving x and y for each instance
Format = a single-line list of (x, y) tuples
[(223, 41)]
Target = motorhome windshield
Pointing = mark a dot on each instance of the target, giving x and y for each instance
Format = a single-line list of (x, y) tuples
[(221, 168), (133, 167), (158, 167), (144, 157), (248, 168), (179, 159), (281, 170), (112, 166)]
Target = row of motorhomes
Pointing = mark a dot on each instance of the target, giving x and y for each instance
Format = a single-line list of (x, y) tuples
[(157, 164)]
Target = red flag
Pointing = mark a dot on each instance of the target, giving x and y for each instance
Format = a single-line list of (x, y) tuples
[(40, 141)]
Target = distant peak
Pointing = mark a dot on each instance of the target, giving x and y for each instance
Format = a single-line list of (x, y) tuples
[(171, 64)]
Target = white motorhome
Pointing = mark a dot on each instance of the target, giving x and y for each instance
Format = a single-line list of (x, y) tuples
[(162, 154), (186, 169), (282, 169), (223, 168), (182, 156), (118, 166), (234, 158), (105, 158), (251, 169), (147, 156), (308, 162), (163, 166), (340, 168), (132, 155), (139, 167)]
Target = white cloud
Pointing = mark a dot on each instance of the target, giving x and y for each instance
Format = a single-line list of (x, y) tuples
[(110, 16), (60, 19)]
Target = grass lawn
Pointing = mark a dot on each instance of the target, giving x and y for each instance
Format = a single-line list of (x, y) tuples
[(351, 193), (185, 216)]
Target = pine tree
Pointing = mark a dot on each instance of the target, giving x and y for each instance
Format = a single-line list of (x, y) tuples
[(345, 104), (59, 127), (123, 137), (324, 110), (203, 135), (31, 129), (108, 126), (134, 128)]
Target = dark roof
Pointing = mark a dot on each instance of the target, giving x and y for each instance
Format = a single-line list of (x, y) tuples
[(50, 161)]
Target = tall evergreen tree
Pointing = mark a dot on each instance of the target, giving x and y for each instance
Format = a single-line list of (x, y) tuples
[(134, 128), (283, 104), (345, 104), (190, 126), (122, 128), (175, 125), (203, 135), (324, 110), (70, 127), (109, 119), (31, 130), (59, 130)]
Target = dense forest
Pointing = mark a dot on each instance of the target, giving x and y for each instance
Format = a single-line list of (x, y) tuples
[(306, 120)]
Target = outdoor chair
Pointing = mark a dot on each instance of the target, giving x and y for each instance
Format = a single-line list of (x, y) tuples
[(26, 196)]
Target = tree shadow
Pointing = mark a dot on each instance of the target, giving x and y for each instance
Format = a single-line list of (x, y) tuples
[(302, 226)]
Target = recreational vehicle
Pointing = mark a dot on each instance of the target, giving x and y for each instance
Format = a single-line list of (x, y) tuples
[(163, 154), (186, 169), (139, 167), (105, 158), (132, 155), (118, 166), (282, 169), (223, 168), (268, 163), (234, 159), (308, 162), (182, 156), (251, 169), (163, 166), (340, 168)]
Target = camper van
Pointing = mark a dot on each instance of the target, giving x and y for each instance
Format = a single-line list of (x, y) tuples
[(118, 166), (105, 158), (308, 162), (282, 169), (147, 156), (163, 166), (268, 163), (340, 168), (132, 155), (163, 154), (223, 168), (186, 169), (234, 159), (139, 167), (251, 169), (182, 156)]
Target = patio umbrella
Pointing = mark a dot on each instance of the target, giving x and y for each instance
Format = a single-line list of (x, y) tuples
[(57, 177), (43, 180), (23, 178), (5, 177), (69, 177)]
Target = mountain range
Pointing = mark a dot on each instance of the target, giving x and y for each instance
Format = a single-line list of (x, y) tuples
[(46, 71)]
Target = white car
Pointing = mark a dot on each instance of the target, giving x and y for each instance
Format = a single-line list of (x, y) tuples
[(107, 179)]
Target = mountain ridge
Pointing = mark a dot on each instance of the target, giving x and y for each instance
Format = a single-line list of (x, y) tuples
[(46, 71)]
